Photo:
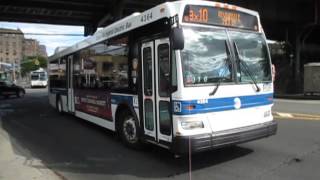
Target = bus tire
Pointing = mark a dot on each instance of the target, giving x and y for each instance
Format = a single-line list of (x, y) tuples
[(59, 105), (129, 130)]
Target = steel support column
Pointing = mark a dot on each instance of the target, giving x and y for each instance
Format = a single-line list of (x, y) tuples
[(297, 74)]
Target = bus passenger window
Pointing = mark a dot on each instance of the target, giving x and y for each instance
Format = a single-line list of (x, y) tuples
[(105, 66), (148, 113), (147, 70), (57, 71), (165, 118), (164, 70)]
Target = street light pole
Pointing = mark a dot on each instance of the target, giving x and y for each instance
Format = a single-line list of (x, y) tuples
[(13, 72)]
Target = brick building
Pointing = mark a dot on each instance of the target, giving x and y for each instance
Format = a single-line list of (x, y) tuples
[(11, 45), (32, 47), (14, 47)]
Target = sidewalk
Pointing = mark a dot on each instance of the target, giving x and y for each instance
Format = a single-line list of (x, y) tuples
[(15, 167)]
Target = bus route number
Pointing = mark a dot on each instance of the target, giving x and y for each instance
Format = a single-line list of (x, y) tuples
[(146, 17)]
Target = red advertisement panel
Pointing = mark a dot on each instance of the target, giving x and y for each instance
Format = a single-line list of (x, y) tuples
[(94, 102)]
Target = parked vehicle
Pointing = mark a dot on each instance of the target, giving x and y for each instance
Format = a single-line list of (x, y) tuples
[(8, 89)]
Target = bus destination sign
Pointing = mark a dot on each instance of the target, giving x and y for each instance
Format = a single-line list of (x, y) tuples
[(220, 17)]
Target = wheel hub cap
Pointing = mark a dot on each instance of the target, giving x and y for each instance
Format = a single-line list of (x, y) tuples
[(130, 131)]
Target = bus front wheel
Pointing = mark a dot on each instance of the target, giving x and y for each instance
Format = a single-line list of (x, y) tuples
[(129, 130)]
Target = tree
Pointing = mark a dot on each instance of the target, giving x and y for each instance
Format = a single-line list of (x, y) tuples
[(32, 63)]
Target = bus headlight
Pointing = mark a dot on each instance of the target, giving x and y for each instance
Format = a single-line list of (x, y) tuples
[(188, 125)]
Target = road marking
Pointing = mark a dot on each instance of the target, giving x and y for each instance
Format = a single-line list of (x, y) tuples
[(296, 116), (285, 115)]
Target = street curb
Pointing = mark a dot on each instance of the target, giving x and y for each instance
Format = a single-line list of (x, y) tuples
[(17, 162), (296, 97), (24, 167), (296, 116)]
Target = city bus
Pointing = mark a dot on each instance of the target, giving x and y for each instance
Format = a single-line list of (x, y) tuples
[(188, 76), (38, 78)]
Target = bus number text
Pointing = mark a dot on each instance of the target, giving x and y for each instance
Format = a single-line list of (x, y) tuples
[(146, 17)]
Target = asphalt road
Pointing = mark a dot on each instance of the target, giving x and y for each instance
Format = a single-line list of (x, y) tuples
[(76, 150)]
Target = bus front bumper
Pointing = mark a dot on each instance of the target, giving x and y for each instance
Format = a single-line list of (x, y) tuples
[(206, 142)]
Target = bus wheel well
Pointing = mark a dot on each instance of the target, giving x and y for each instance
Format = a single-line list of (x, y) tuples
[(121, 108), (127, 126)]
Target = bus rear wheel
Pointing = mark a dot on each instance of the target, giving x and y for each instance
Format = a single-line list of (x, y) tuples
[(59, 105), (129, 130)]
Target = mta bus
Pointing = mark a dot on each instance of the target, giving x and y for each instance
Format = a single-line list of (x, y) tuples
[(183, 74), (38, 78)]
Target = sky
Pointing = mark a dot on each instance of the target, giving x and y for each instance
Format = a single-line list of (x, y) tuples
[(51, 42)]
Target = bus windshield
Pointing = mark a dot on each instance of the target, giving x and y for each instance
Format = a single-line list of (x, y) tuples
[(43, 77), (205, 57), (35, 77), (252, 51), (39, 76)]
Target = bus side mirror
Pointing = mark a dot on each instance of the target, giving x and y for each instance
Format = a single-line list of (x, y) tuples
[(177, 39)]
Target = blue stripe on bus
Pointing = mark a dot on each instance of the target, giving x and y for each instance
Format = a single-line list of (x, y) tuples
[(221, 104), (116, 99)]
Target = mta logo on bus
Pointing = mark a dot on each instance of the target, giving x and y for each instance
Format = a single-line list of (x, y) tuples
[(237, 103)]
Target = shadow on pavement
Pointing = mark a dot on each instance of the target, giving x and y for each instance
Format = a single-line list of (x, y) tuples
[(70, 145)]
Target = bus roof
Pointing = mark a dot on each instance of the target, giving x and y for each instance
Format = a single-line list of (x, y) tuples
[(38, 70), (137, 20)]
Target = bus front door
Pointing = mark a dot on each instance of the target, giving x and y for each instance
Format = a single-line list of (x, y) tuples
[(156, 91)]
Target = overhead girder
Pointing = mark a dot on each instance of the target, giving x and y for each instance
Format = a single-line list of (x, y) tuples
[(100, 13)]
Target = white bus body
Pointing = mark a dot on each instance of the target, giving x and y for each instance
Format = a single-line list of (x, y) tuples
[(128, 77)]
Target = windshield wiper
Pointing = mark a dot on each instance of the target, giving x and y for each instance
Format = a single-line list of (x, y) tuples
[(246, 68), (228, 63)]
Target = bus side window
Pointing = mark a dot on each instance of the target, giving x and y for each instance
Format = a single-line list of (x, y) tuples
[(58, 74), (104, 66)]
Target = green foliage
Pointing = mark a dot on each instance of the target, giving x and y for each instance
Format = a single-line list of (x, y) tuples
[(43, 61), (33, 63)]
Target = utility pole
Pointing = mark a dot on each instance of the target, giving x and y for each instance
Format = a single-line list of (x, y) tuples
[(14, 72)]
